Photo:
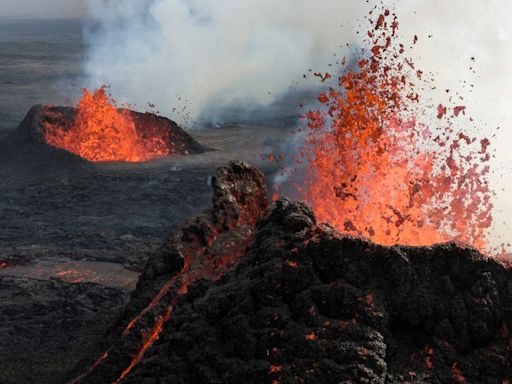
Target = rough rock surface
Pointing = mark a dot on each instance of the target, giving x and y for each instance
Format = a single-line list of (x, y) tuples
[(47, 326), (247, 294), (25, 155), (183, 142)]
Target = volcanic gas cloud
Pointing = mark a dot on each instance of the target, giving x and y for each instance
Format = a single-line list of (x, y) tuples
[(373, 169), (100, 131)]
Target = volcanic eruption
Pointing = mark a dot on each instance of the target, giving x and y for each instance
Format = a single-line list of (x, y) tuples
[(61, 142), (99, 131), (249, 293), (374, 275), (244, 292), (378, 161)]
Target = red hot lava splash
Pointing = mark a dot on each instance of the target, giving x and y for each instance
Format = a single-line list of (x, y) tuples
[(373, 170), (102, 132)]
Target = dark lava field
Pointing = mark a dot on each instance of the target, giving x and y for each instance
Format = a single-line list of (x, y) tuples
[(71, 249), (181, 270)]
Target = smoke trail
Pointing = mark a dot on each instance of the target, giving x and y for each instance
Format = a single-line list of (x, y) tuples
[(214, 54)]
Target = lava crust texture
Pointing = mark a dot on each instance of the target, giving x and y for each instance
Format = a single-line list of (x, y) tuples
[(300, 303), (25, 155)]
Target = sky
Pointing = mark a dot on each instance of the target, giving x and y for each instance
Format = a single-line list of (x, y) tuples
[(460, 30), (48, 9)]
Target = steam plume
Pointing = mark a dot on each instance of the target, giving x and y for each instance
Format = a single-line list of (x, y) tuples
[(250, 52), (211, 53)]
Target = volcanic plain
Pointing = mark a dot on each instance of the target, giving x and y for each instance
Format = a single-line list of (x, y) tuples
[(72, 248)]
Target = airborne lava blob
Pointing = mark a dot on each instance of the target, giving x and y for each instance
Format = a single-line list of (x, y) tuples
[(102, 132), (373, 169)]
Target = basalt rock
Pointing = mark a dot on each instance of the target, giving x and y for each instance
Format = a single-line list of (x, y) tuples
[(25, 155), (47, 326), (249, 294)]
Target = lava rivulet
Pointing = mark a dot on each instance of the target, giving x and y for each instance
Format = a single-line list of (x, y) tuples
[(373, 169), (199, 263), (208, 247)]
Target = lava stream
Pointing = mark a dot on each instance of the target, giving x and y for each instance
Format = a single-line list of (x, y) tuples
[(153, 336)]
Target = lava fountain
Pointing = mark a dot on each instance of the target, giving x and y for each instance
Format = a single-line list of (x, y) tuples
[(371, 168), (99, 131)]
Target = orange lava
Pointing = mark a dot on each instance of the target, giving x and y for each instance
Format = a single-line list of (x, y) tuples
[(429, 353), (372, 169), (275, 369), (148, 342), (96, 363), (154, 302), (102, 132), (458, 375)]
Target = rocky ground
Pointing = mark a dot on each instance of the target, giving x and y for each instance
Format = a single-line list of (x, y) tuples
[(96, 227), (243, 293), (47, 325)]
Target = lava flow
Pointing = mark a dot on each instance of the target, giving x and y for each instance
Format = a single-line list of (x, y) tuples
[(102, 132), (208, 246), (373, 169)]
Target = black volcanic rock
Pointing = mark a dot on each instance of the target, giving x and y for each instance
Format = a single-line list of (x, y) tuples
[(149, 123), (300, 303), (46, 326), (24, 154)]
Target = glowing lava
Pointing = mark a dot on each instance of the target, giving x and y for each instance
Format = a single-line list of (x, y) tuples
[(374, 170), (102, 132)]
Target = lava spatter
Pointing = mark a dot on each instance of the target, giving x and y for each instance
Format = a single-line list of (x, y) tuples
[(103, 132), (374, 169)]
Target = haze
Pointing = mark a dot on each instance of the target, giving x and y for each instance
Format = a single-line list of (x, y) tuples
[(41, 9)]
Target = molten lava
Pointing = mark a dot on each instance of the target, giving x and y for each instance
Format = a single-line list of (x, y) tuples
[(102, 132), (374, 170)]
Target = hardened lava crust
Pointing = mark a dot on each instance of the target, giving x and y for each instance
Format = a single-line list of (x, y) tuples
[(251, 293)]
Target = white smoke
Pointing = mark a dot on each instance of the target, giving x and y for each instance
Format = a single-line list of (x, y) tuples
[(212, 53), (216, 53)]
